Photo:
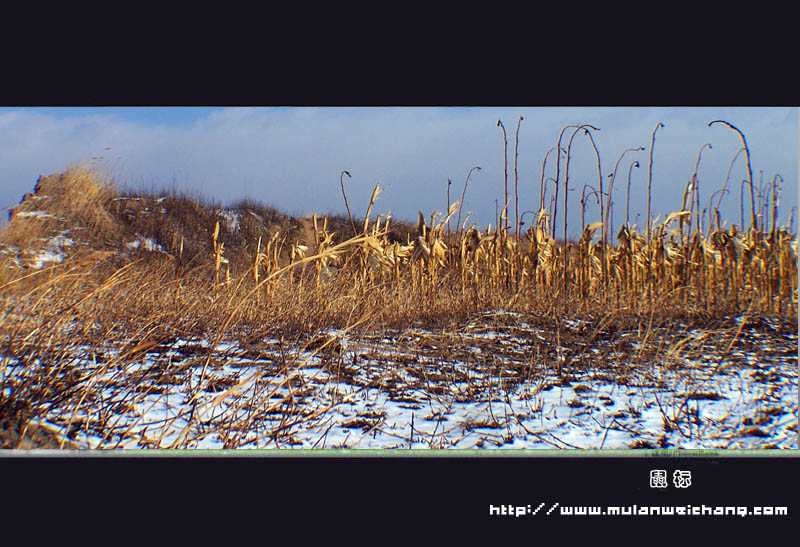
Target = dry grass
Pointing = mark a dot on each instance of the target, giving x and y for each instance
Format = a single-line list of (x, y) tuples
[(267, 274)]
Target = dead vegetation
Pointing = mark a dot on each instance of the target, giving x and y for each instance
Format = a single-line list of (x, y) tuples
[(128, 273)]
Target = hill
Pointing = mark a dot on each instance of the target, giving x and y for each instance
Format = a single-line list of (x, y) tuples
[(78, 215)]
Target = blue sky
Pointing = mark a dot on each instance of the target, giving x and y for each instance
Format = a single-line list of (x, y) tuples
[(166, 115), (292, 157)]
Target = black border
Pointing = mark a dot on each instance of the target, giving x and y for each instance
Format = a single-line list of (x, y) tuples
[(578, 58), (412, 499), (398, 81)]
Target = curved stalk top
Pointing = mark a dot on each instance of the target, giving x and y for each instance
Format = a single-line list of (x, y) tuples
[(516, 190), (749, 169), (558, 173), (611, 186), (341, 181), (650, 176), (464, 193), (586, 128), (504, 213), (544, 163), (728, 175), (696, 187), (628, 193)]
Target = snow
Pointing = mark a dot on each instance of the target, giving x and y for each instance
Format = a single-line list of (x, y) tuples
[(231, 219), (52, 252), (148, 243), (45, 256), (60, 241), (37, 214), (394, 390)]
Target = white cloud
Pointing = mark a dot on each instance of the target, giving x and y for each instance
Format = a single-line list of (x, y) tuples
[(292, 157)]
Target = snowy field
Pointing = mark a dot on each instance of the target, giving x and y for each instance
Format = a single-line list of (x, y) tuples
[(501, 381)]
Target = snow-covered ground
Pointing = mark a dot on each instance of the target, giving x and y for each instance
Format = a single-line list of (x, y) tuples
[(491, 385), (54, 249), (147, 243), (231, 219), (37, 214)]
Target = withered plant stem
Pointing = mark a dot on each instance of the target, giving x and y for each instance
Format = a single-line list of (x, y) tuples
[(504, 213), (461, 203), (650, 178), (347, 205), (516, 188), (749, 170)]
